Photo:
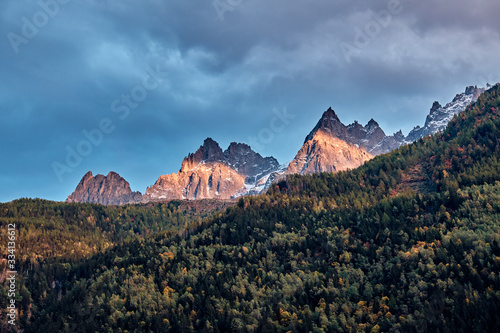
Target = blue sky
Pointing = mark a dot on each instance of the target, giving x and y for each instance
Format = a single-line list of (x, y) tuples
[(134, 86)]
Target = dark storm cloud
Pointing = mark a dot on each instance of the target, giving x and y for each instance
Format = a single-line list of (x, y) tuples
[(221, 78), (461, 15)]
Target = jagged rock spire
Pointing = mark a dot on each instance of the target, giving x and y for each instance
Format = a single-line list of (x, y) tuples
[(107, 190)]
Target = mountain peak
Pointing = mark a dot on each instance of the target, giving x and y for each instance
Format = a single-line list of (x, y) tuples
[(113, 175), (210, 151), (474, 91), (372, 123), (247, 162), (470, 90), (330, 113), (330, 124), (435, 106), (87, 176), (106, 190), (238, 146), (367, 137), (209, 141)]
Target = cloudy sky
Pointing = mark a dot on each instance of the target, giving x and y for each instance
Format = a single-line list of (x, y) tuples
[(133, 86)]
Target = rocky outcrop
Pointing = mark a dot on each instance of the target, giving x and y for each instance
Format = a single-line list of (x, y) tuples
[(439, 116), (326, 153), (207, 180), (210, 173), (248, 163), (331, 125), (210, 151), (107, 190), (388, 143), (331, 146), (369, 137)]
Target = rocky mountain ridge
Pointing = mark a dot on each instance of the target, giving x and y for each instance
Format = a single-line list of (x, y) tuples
[(440, 116), (211, 173), (373, 139), (332, 146), (367, 137)]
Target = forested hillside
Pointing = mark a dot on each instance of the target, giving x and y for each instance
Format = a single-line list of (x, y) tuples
[(52, 237), (409, 242), (409, 263)]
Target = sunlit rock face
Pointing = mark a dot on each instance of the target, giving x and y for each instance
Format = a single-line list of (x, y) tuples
[(107, 190), (211, 173)]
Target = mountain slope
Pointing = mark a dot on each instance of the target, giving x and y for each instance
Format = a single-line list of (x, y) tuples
[(205, 180), (440, 116), (324, 153)]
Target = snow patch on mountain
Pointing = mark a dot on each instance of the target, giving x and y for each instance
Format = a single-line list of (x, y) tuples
[(440, 116)]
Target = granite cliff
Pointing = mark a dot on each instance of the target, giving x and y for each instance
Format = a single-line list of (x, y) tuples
[(106, 190)]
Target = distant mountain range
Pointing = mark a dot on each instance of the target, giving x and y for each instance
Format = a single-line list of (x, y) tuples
[(211, 173)]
